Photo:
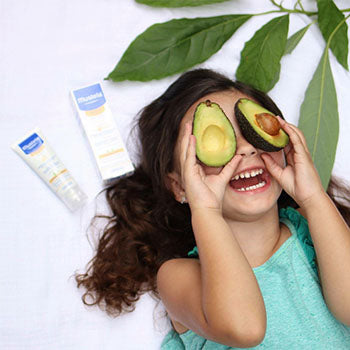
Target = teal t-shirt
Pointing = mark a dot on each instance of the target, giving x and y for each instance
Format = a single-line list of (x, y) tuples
[(297, 316)]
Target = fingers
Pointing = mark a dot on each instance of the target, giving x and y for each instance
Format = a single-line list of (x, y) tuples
[(273, 168), (191, 150), (185, 144), (297, 148), (295, 135), (228, 170), (289, 153)]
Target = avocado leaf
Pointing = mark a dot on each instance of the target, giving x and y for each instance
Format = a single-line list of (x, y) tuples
[(294, 40), (173, 47), (177, 3), (329, 16), (319, 119), (260, 58)]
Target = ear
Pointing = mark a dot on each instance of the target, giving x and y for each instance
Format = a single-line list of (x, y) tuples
[(174, 184)]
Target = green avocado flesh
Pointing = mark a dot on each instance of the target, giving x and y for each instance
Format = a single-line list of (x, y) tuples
[(215, 136), (259, 126)]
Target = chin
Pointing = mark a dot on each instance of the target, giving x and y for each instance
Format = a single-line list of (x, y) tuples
[(250, 205)]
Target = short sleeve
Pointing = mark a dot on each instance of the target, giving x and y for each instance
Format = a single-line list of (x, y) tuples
[(303, 233), (172, 341)]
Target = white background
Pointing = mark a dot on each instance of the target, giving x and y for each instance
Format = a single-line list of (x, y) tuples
[(48, 48)]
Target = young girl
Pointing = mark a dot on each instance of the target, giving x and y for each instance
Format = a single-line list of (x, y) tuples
[(236, 265)]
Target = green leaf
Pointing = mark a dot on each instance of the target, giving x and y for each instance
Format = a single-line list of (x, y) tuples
[(177, 3), (329, 16), (260, 58), (172, 47), (294, 40), (319, 119)]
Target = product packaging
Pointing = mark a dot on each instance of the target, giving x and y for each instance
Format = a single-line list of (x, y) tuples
[(34, 149), (101, 130)]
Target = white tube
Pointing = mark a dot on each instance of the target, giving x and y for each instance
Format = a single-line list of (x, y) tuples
[(37, 153)]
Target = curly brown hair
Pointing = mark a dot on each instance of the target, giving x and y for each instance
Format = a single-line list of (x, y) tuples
[(147, 226)]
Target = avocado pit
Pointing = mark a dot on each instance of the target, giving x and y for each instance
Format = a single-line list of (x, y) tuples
[(259, 126), (268, 123)]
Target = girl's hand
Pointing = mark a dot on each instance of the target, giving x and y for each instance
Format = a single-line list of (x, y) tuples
[(299, 178), (202, 191)]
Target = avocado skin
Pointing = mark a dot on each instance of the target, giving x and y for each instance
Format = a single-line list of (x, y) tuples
[(251, 135), (217, 162)]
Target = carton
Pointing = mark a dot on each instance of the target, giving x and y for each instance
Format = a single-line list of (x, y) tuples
[(107, 146)]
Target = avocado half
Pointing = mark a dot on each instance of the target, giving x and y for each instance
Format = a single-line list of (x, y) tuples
[(259, 126), (215, 136)]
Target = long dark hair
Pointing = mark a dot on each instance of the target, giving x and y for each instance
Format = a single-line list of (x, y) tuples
[(147, 226)]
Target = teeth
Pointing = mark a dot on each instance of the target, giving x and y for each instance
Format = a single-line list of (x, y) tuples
[(254, 187), (248, 174)]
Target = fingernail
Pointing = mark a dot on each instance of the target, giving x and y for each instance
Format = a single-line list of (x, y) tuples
[(281, 120)]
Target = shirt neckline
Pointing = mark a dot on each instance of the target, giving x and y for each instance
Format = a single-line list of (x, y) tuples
[(281, 249)]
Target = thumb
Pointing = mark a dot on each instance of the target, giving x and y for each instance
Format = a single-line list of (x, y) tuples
[(230, 167), (273, 168)]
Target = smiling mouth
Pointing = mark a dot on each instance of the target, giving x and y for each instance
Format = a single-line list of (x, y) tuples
[(249, 180)]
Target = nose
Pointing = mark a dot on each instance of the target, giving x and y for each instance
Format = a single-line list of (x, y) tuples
[(244, 148)]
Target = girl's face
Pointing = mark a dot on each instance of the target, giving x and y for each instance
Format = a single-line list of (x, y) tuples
[(252, 190)]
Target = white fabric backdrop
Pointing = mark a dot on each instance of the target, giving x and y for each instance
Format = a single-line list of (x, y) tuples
[(48, 48)]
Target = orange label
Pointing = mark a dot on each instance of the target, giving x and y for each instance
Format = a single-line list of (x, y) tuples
[(110, 153), (96, 111), (55, 177)]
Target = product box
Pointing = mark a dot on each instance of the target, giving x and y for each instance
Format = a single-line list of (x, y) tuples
[(96, 118)]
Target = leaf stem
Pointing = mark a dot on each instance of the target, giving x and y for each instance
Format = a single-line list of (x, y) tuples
[(267, 12), (302, 11), (295, 10), (300, 4), (335, 30)]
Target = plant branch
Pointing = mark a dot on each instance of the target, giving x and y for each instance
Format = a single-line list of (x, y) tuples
[(284, 11), (300, 4), (295, 10), (301, 10)]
